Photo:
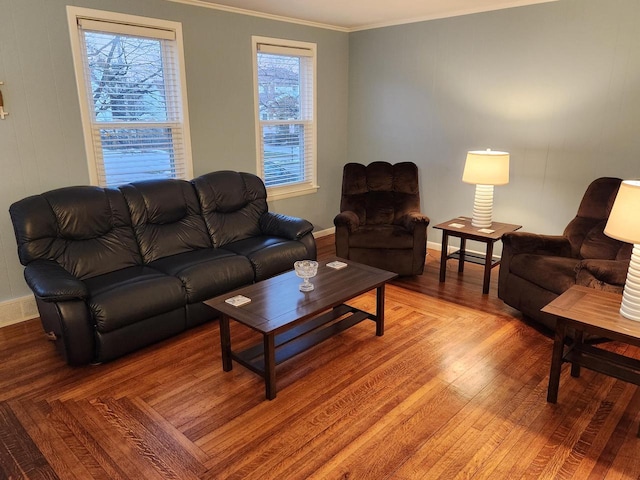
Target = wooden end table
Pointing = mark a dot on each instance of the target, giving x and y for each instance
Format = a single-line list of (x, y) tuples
[(461, 227), (590, 311), (291, 321)]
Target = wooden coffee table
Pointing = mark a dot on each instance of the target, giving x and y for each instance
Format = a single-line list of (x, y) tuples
[(291, 321), (590, 311)]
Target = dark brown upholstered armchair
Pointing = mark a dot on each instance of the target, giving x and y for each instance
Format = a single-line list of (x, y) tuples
[(535, 269), (380, 223)]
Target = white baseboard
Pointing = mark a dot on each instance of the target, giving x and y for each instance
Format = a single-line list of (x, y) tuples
[(24, 308), (18, 310), (325, 232)]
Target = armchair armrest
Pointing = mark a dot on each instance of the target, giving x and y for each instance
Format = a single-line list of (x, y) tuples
[(607, 275), (52, 283), (411, 220), (347, 219), (525, 242), (285, 226)]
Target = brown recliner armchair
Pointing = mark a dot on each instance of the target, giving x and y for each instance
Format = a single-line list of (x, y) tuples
[(380, 223), (535, 269)]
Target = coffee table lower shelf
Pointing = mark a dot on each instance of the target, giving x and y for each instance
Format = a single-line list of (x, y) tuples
[(300, 338)]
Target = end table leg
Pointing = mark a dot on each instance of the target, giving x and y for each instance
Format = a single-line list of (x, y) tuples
[(270, 366), (380, 311), (462, 252), (577, 345), (443, 256), (556, 361), (225, 341), (487, 268)]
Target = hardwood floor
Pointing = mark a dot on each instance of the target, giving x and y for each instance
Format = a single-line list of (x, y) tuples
[(456, 388)]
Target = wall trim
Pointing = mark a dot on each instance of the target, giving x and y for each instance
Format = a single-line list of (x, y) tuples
[(268, 16), (324, 233), (393, 23), (24, 308), (18, 310)]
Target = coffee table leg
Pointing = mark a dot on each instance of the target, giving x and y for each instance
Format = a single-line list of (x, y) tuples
[(225, 340), (380, 311), (443, 256), (270, 366), (556, 361)]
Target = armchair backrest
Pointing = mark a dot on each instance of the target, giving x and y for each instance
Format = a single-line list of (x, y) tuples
[(166, 217), (87, 230), (232, 204), (380, 193), (586, 231)]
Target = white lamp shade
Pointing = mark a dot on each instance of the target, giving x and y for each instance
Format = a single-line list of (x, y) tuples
[(624, 220), (486, 167)]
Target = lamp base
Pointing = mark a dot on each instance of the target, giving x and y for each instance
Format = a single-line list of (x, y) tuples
[(483, 206), (630, 307)]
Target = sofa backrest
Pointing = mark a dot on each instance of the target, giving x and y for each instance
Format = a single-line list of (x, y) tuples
[(232, 204), (87, 230), (380, 193), (166, 217), (586, 231)]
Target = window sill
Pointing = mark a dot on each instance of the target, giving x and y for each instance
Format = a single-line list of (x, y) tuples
[(279, 193)]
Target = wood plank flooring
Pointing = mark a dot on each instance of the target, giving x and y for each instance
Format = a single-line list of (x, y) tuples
[(456, 388)]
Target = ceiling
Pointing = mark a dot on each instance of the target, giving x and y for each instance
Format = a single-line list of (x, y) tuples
[(352, 15)]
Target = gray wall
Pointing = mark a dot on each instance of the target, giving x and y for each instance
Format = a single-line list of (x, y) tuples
[(557, 85), (41, 143)]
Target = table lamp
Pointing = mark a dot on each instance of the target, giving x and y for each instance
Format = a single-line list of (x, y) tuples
[(485, 168), (624, 225)]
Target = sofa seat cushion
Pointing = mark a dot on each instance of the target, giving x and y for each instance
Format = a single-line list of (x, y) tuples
[(555, 274), (269, 255), (129, 295), (207, 272), (381, 236)]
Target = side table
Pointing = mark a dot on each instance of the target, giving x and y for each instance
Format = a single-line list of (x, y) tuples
[(590, 311), (461, 227)]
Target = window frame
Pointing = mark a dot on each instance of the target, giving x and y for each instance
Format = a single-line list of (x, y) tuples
[(310, 185), (74, 16)]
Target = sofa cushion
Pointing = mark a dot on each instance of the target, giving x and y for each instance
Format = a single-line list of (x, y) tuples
[(166, 218), (86, 230), (208, 272), (269, 255), (381, 236), (555, 274), (130, 295), (232, 204)]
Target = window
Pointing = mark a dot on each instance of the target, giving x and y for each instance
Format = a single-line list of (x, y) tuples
[(285, 103), (131, 84)]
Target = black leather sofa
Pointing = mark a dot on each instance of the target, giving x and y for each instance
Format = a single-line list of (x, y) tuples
[(114, 270)]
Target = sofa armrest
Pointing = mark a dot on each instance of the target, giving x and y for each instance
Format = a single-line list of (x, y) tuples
[(525, 242), (52, 283), (602, 274), (285, 226), (411, 220), (347, 219)]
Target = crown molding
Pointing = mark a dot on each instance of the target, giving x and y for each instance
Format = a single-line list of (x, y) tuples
[(253, 13), (280, 18)]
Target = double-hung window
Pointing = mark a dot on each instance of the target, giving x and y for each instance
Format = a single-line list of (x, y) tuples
[(285, 105), (131, 84)]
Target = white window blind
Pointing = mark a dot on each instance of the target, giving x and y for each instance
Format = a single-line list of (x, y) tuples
[(131, 81), (286, 115)]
